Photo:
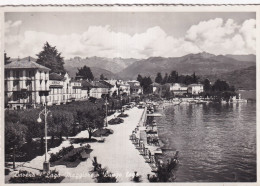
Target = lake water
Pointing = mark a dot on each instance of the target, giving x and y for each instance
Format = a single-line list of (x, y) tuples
[(216, 142)]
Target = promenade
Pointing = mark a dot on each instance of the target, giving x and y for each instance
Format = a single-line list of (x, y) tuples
[(117, 153)]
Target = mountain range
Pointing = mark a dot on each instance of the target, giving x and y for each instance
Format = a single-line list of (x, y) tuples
[(201, 63), (238, 70)]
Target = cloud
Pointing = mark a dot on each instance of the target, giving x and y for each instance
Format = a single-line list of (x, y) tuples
[(215, 36), (11, 25), (219, 37)]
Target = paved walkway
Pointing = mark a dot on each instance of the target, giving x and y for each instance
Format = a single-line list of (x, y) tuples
[(117, 153)]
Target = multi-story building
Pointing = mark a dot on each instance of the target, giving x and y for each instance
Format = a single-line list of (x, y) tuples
[(135, 87), (113, 88), (77, 92), (56, 89), (179, 89), (124, 88), (26, 84), (195, 89)]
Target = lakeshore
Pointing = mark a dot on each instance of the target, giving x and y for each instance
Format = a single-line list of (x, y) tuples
[(117, 153)]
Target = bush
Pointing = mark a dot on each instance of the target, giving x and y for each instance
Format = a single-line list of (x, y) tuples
[(115, 121), (102, 132), (102, 175), (61, 153), (122, 115), (24, 176)]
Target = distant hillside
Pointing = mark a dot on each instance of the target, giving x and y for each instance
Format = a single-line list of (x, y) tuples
[(201, 63), (250, 57), (244, 79), (96, 72), (114, 65)]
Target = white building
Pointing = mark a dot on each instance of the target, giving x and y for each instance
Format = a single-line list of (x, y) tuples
[(26, 84), (195, 89), (179, 89)]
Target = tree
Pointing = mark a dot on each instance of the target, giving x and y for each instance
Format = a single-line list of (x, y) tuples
[(220, 85), (173, 78), (165, 79), (194, 78), (139, 78), (85, 72), (146, 84), (7, 59), (207, 85), (102, 77), (15, 134), (90, 120), (51, 58), (158, 78)]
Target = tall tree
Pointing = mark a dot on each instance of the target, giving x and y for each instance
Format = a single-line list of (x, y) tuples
[(139, 78), (146, 84), (102, 77), (220, 85), (195, 78), (207, 86), (165, 79), (15, 134), (7, 59), (85, 72), (51, 58), (173, 78), (158, 78)]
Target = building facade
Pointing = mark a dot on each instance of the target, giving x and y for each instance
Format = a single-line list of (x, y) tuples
[(26, 84), (195, 89)]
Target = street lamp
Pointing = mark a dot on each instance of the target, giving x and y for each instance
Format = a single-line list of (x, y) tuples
[(45, 112), (106, 103)]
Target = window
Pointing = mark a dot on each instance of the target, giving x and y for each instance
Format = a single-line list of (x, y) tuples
[(7, 74), (16, 82), (16, 74)]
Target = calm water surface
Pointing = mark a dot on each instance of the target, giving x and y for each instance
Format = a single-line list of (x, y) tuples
[(217, 142)]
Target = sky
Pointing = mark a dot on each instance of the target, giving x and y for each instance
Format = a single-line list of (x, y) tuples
[(130, 34)]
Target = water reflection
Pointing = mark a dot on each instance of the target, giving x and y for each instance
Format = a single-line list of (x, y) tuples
[(217, 142)]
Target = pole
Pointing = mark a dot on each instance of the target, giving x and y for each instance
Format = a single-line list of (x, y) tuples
[(106, 111), (45, 114)]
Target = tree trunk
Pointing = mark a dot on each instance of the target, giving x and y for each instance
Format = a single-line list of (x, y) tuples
[(52, 139), (14, 157), (60, 136), (89, 134)]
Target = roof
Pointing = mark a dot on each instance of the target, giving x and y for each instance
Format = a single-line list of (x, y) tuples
[(106, 83), (181, 84), (136, 87), (195, 85), (156, 84), (85, 84), (25, 64), (99, 84), (55, 76)]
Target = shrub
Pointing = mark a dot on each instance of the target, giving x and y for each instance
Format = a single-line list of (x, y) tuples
[(61, 153), (102, 175), (115, 121), (122, 115)]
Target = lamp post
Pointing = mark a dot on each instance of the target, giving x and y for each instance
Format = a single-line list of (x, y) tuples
[(106, 103), (45, 112)]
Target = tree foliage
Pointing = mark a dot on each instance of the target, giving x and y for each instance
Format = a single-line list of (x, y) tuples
[(158, 78), (51, 58), (85, 72), (7, 59)]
